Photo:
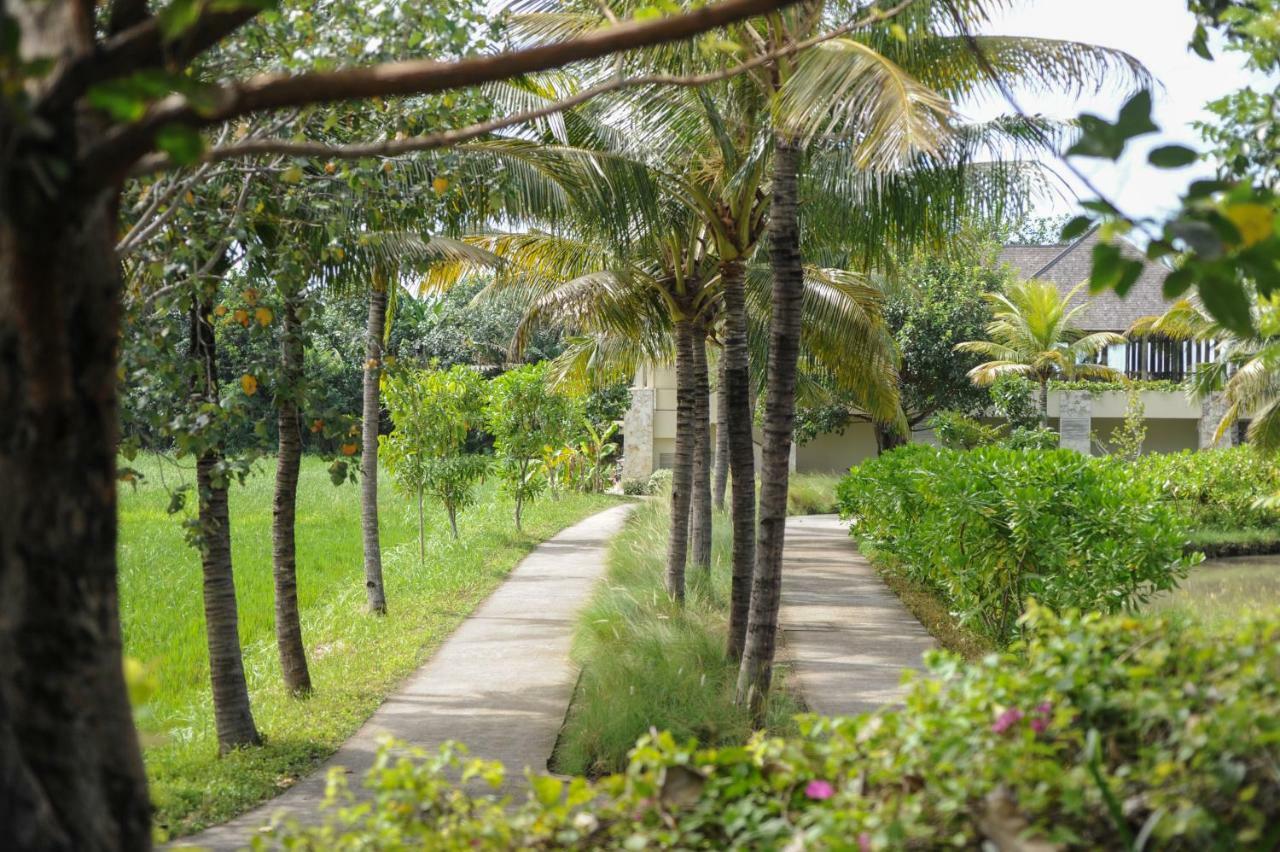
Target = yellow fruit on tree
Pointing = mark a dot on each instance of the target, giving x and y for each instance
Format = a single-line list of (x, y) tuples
[(249, 384)]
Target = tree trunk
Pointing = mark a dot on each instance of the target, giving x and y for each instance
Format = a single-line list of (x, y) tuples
[(737, 422), (888, 438), (293, 655), (700, 512), (720, 472), (71, 773), (453, 520), (232, 716), (422, 532), (1044, 402), (682, 471), (756, 673), (374, 593)]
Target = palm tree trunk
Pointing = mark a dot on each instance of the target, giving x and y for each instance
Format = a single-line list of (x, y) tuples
[(72, 768), (720, 471), (1044, 402), (756, 673), (888, 438), (682, 472), (736, 422), (374, 592), (232, 716), (700, 518), (293, 655)]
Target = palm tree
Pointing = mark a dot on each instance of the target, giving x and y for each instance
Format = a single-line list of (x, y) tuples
[(1033, 334), (1245, 370)]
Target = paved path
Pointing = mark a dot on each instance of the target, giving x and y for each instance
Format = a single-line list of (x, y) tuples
[(848, 636), (501, 683)]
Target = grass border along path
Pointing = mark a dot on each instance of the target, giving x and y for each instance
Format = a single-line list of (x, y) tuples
[(356, 659)]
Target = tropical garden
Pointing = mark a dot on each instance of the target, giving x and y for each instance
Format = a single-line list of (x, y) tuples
[(316, 319)]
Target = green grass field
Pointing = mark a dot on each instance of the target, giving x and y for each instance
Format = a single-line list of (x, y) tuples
[(356, 659)]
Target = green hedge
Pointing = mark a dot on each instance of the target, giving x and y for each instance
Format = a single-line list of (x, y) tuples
[(1098, 733), (1220, 489), (989, 528)]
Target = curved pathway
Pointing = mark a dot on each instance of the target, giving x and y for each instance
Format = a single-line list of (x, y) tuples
[(848, 637), (501, 683)]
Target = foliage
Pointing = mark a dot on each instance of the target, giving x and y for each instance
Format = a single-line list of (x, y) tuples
[(635, 487), (649, 662), (939, 304), (958, 431), (473, 324), (1221, 488), (525, 417), (1225, 233), (1096, 732), (1127, 439), (1031, 438), (1013, 398), (992, 527), (1096, 386), (354, 661), (812, 494), (660, 481)]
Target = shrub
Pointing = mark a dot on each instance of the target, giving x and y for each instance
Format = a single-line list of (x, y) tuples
[(1016, 399), (635, 487), (1225, 488), (1100, 733), (812, 494), (660, 481), (989, 528), (958, 431)]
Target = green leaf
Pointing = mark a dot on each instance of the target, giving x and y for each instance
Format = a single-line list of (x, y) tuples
[(178, 17), (1176, 283), (1172, 157), (1227, 302), (546, 789), (1076, 227), (1100, 138), (180, 142)]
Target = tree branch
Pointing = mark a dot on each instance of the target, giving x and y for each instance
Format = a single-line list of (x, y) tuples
[(113, 157), (444, 139)]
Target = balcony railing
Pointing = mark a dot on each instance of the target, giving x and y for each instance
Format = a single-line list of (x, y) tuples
[(1157, 358)]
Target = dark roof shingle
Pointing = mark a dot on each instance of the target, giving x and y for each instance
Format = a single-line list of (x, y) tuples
[(1068, 265)]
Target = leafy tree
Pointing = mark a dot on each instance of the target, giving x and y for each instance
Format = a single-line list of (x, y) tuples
[(524, 417), (434, 411), (1033, 335), (89, 96)]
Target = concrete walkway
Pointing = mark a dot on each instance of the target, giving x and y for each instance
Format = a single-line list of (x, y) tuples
[(501, 683), (848, 636)]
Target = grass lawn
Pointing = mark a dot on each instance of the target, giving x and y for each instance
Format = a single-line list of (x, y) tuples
[(356, 659), (1222, 592), (649, 663)]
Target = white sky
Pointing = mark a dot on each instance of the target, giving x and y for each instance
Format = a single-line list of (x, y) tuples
[(1156, 32)]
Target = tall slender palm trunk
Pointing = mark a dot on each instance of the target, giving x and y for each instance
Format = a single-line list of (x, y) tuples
[(232, 716), (720, 468), (700, 513), (284, 552), (682, 471), (1044, 402), (375, 595), (72, 770), (756, 673), (736, 422)]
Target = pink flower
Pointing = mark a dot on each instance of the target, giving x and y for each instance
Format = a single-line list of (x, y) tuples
[(819, 789), (864, 842), (1006, 720), (1039, 724), (1045, 708)]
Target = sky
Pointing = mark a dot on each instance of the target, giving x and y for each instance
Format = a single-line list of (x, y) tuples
[(1156, 32)]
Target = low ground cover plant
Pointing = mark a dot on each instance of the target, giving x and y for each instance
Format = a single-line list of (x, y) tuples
[(648, 662), (1095, 733), (989, 528)]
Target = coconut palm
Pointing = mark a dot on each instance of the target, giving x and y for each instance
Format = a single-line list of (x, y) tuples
[(1245, 370), (1033, 334)]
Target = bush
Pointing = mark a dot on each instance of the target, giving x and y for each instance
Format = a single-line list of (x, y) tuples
[(1100, 733), (989, 528), (1224, 489), (812, 494), (635, 487), (660, 481), (957, 431)]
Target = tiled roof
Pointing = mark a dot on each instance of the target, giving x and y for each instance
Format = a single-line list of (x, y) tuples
[(1068, 265)]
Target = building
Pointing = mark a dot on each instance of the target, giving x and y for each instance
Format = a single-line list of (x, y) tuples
[(1174, 422)]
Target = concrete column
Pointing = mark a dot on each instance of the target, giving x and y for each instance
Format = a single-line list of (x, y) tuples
[(1075, 421), (637, 435), (1211, 411)]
